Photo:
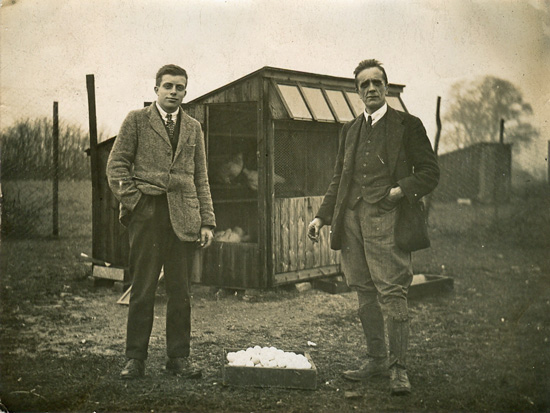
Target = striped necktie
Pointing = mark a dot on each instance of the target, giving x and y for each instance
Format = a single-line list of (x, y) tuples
[(170, 125)]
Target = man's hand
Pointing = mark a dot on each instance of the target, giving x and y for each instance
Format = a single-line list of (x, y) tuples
[(207, 236), (313, 229), (395, 194)]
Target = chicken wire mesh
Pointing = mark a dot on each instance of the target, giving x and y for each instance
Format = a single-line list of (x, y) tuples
[(304, 160), (481, 185)]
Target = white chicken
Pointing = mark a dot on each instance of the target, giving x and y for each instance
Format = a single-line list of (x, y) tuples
[(228, 169), (252, 178)]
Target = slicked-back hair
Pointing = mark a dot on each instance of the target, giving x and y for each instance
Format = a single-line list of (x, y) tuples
[(368, 63), (173, 70)]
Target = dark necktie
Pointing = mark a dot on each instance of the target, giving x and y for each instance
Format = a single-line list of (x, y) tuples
[(369, 124), (170, 125)]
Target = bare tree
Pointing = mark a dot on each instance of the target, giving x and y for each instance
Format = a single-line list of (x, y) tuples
[(477, 107)]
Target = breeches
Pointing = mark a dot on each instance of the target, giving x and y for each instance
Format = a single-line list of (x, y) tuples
[(153, 245), (372, 263)]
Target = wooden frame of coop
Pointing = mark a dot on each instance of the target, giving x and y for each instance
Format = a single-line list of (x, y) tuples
[(271, 140)]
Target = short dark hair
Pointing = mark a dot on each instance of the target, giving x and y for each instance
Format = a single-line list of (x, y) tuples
[(365, 64), (173, 70)]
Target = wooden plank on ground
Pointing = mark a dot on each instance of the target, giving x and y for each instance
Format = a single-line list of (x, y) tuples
[(125, 298), (108, 273), (306, 275)]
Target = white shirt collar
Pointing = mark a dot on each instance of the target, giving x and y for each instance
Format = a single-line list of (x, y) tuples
[(376, 116), (163, 113)]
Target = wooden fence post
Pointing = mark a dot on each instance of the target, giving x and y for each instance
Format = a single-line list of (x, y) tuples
[(428, 200), (94, 164), (497, 179), (55, 180)]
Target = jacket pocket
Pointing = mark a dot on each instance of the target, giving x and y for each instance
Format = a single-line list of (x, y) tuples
[(191, 211)]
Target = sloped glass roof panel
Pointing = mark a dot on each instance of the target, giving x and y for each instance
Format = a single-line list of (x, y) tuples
[(395, 103), (356, 102), (318, 104), (294, 101), (340, 105)]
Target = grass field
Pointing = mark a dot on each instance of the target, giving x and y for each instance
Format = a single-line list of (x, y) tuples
[(483, 347)]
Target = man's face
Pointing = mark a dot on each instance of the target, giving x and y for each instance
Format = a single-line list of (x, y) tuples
[(371, 88), (171, 92)]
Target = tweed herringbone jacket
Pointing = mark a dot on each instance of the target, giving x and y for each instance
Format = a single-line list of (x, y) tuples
[(142, 162)]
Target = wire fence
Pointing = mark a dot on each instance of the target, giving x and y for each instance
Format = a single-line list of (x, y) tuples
[(36, 154), (480, 186)]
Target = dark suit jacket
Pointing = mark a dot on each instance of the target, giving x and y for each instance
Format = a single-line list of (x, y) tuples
[(411, 160), (141, 162)]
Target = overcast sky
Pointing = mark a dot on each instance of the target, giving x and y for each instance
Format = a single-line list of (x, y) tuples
[(49, 46)]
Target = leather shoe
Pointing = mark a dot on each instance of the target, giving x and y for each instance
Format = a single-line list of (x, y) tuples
[(182, 367), (373, 367), (134, 369), (399, 382)]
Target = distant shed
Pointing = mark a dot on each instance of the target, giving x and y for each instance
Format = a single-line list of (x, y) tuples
[(481, 172), (271, 140)]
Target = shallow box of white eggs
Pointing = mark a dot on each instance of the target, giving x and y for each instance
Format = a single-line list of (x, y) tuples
[(287, 377)]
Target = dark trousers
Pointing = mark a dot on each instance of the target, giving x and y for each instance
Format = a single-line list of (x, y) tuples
[(153, 245)]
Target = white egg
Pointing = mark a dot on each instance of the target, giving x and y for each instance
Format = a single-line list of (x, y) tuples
[(239, 363), (231, 356), (249, 363)]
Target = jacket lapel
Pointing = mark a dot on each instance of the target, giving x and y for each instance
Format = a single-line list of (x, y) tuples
[(185, 132), (394, 137), (351, 142), (156, 122)]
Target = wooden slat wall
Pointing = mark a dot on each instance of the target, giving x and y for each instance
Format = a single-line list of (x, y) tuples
[(110, 241), (292, 250), (232, 265)]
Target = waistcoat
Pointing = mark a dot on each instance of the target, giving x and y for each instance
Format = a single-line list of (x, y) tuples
[(371, 178)]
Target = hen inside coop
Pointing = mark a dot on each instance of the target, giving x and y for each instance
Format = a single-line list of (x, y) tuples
[(302, 160), (233, 170)]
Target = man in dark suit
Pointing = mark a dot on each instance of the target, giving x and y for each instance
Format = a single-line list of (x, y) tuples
[(157, 170), (384, 160)]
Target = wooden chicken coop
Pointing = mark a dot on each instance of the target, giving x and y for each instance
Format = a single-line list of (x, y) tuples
[(271, 140)]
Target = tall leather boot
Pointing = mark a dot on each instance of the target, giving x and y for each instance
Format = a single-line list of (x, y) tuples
[(377, 359), (398, 335)]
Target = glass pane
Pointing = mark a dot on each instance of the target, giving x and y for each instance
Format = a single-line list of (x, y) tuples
[(318, 103), (294, 101), (356, 103), (395, 103), (340, 105)]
